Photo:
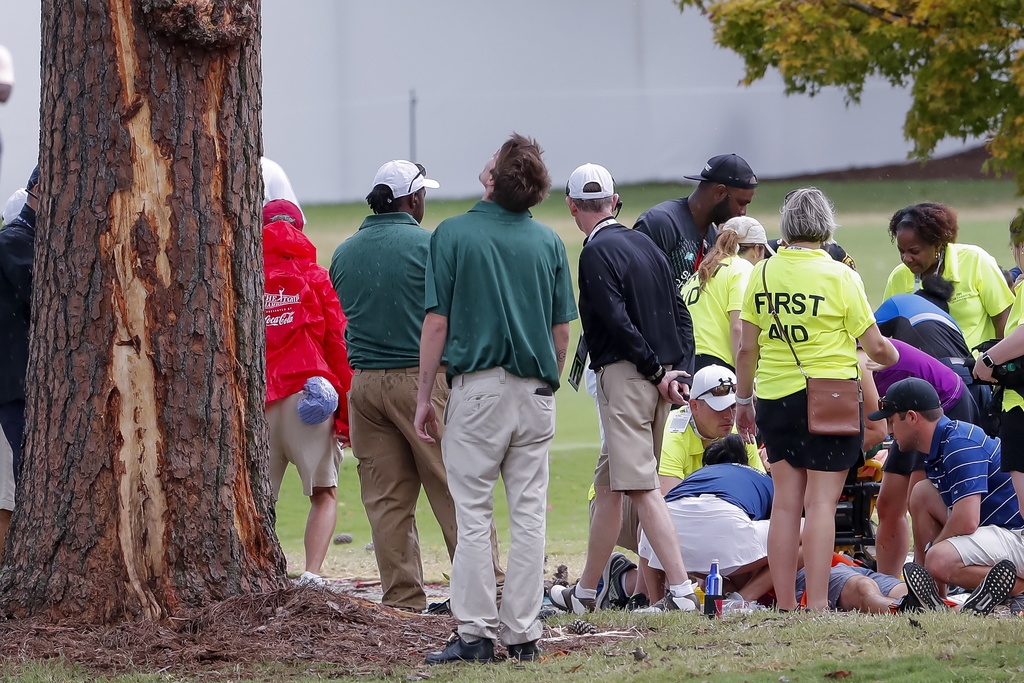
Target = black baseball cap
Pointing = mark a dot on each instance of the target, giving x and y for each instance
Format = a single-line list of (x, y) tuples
[(727, 169), (911, 393)]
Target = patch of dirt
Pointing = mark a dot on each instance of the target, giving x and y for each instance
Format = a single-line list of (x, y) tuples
[(965, 165), (296, 628)]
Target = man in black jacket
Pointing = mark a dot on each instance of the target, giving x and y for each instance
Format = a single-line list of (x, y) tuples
[(640, 344), (17, 245)]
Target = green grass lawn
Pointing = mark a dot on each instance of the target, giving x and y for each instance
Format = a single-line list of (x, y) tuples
[(863, 210)]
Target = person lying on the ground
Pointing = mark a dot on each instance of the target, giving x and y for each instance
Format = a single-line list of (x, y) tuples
[(851, 588), (965, 515)]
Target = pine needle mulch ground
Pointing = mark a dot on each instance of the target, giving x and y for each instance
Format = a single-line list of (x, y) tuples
[(281, 633)]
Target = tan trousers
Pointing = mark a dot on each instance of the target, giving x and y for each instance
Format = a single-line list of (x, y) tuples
[(393, 463), (498, 425)]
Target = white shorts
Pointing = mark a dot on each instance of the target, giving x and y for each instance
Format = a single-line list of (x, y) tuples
[(990, 544), (710, 528), (6, 474)]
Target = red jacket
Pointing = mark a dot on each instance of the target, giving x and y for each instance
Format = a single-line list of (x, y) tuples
[(305, 325)]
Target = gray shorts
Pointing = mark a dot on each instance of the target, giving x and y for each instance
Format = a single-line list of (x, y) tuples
[(840, 574)]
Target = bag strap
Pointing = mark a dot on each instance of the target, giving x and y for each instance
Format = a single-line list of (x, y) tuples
[(782, 329)]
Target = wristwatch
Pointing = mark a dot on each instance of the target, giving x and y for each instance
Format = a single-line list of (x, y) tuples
[(987, 360), (656, 377)]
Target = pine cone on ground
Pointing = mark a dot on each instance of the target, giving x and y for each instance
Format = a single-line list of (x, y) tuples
[(581, 627)]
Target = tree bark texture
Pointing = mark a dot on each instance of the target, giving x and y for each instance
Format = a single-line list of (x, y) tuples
[(144, 483)]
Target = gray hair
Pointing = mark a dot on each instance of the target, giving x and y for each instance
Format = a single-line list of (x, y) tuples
[(807, 216)]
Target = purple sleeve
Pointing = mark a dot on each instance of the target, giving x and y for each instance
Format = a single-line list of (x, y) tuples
[(916, 363)]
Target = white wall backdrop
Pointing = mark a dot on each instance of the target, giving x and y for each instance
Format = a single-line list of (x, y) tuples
[(636, 86)]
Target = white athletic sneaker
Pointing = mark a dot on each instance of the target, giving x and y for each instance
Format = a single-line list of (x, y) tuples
[(565, 598), (669, 603), (310, 579)]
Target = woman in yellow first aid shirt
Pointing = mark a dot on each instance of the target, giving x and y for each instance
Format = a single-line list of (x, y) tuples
[(925, 235), (821, 306)]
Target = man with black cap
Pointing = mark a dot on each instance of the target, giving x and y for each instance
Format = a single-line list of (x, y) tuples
[(17, 245), (639, 343), (686, 228), (967, 525)]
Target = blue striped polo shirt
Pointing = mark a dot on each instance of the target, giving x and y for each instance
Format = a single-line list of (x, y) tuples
[(964, 461)]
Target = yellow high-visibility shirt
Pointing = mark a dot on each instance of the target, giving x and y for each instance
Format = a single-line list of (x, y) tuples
[(682, 453), (710, 307), (979, 289), (822, 305)]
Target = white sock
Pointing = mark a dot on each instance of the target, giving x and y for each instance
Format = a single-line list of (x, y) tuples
[(681, 590), (585, 592)]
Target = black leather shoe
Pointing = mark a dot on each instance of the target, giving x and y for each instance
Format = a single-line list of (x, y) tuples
[(460, 650), (525, 652)]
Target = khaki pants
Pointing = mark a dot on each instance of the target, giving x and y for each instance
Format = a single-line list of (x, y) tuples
[(497, 425), (393, 463)]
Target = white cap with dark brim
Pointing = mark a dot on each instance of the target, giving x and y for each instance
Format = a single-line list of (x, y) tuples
[(403, 177)]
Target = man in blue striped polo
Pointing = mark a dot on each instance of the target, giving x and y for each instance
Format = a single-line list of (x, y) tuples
[(967, 524)]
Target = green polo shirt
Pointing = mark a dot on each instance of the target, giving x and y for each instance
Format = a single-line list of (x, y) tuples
[(378, 274), (502, 279)]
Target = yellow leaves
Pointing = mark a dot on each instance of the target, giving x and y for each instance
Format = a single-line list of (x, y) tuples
[(962, 58)]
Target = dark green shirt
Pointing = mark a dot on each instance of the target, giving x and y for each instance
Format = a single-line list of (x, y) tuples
[(502, 279), (378, 274)]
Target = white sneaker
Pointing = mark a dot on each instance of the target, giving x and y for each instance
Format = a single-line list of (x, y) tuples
[(310, 579), (670, 603), (565, 598)]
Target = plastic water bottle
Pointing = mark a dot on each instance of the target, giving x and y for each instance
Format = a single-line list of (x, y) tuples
[(713, 592)]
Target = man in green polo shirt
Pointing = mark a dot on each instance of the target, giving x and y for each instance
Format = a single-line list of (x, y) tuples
[(499, 301), (378, 274)]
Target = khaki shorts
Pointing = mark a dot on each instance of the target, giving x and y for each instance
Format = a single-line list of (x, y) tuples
[(990, 544), (313, 449), (633, 416)]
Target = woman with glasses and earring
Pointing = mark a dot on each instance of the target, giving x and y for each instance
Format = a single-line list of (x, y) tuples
[(926, 235), (1011, 426), (803, 307)]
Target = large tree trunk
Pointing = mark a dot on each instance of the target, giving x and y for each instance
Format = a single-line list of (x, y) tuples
[(144, 486)]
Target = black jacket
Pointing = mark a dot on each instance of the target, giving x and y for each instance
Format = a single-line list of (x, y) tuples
[(629, 305), (17, 245)]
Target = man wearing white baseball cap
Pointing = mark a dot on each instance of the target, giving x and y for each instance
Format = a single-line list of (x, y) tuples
[(712, 416), (640, 345), (379, 276)]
